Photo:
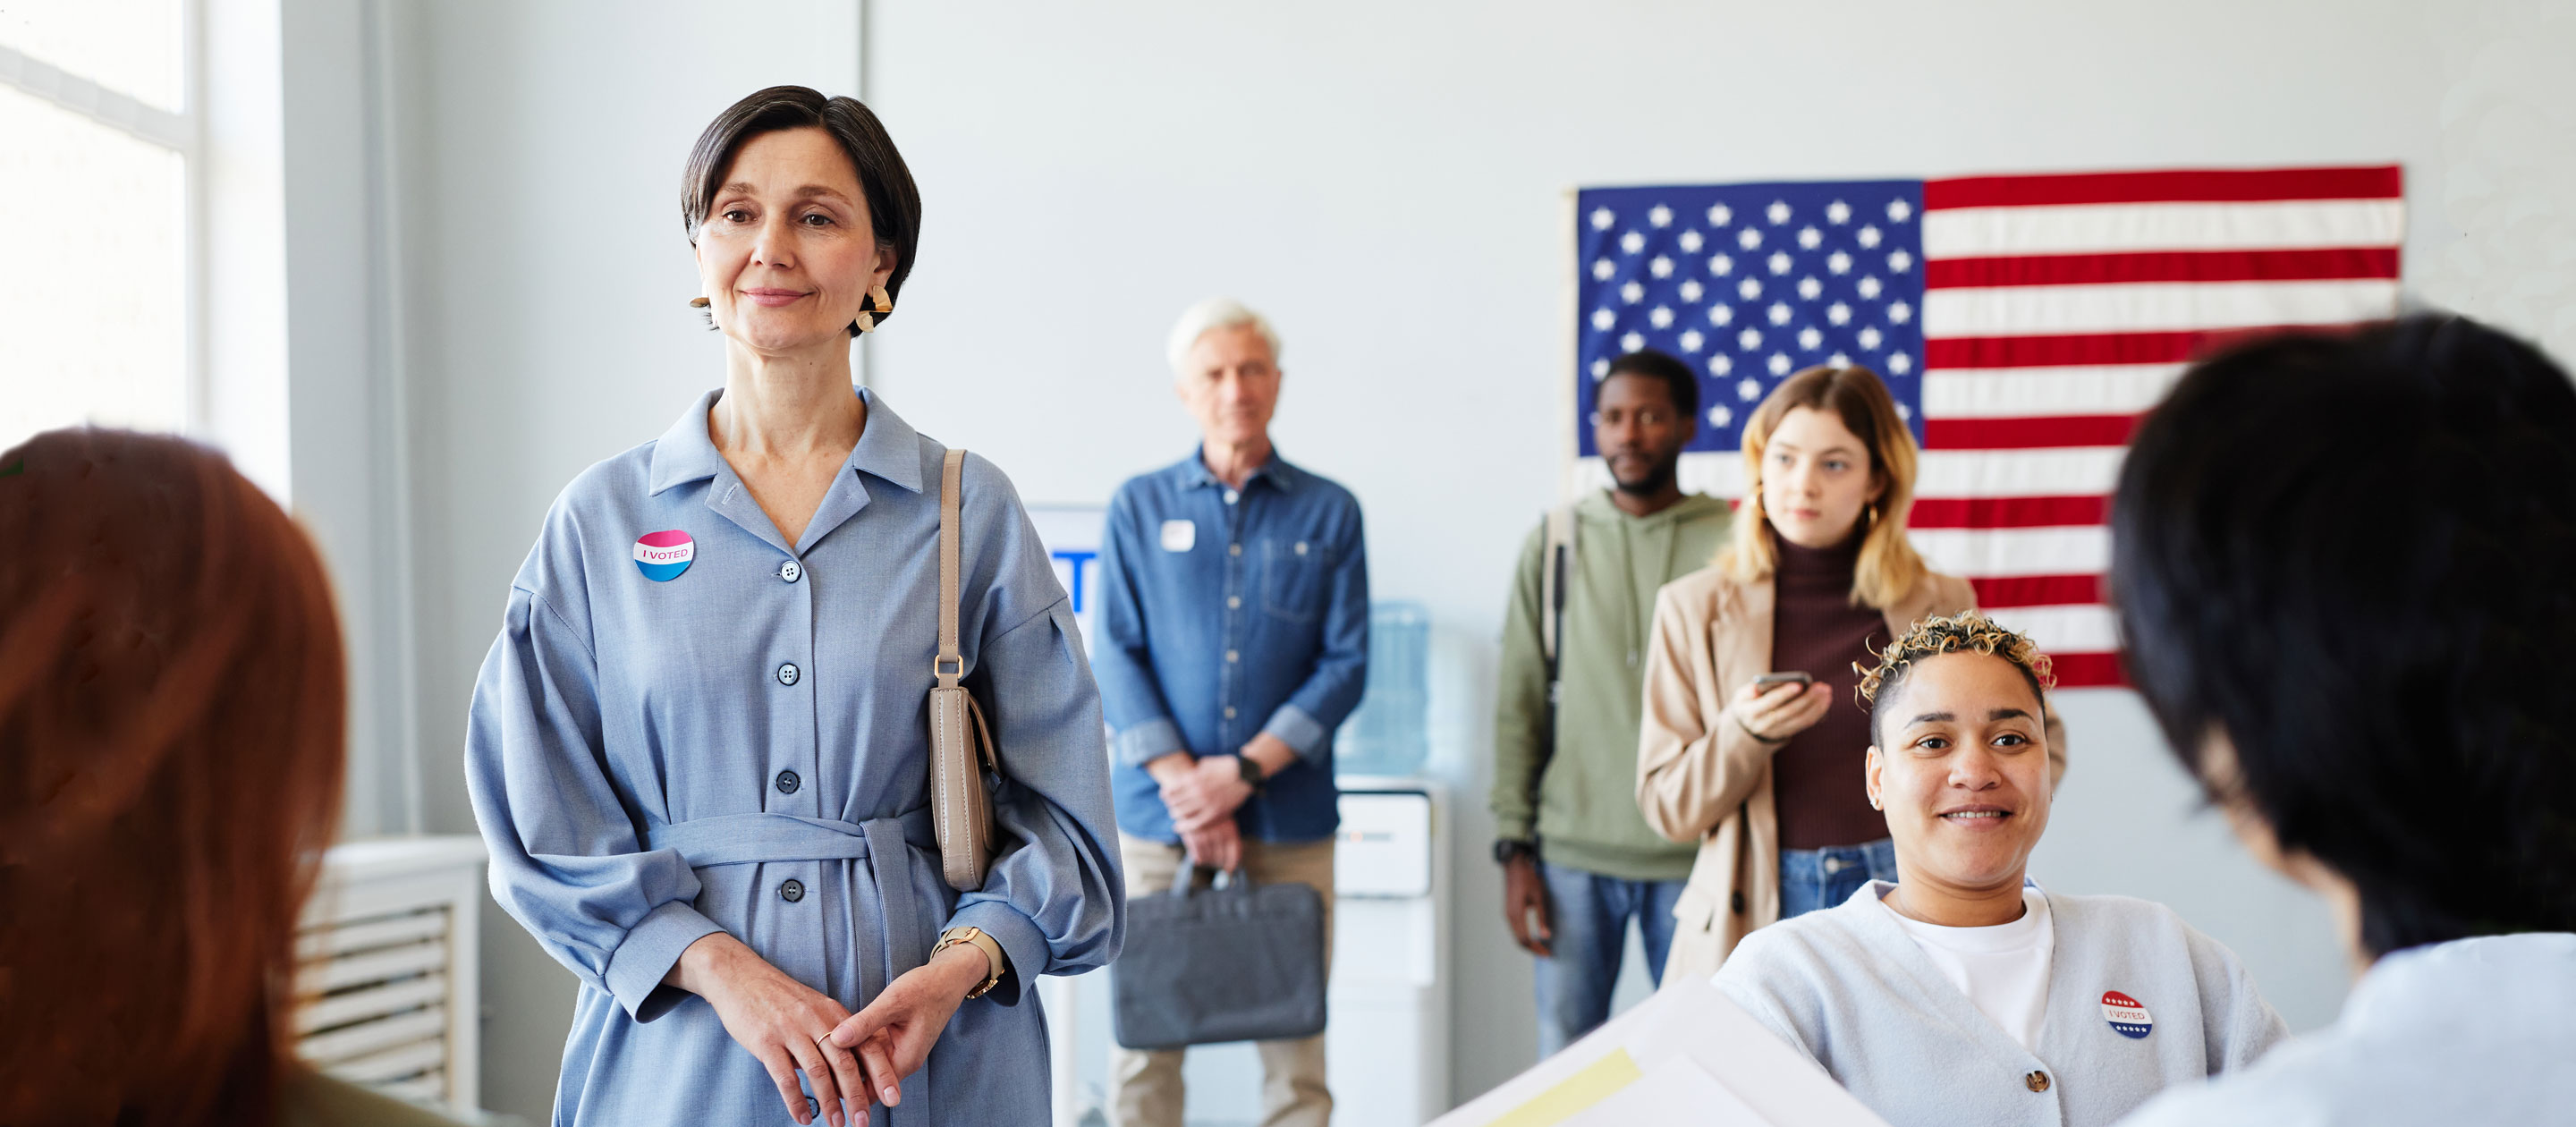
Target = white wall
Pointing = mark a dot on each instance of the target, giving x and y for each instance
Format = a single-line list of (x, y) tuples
[(1386, 181)]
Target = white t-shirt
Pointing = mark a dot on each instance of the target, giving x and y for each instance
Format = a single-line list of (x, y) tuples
[(2003, 969)]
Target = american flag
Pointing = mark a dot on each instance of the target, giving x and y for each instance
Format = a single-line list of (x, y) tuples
[(2023, 322)]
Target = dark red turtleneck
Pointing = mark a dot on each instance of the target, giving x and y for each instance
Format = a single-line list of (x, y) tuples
[(1817, 776)]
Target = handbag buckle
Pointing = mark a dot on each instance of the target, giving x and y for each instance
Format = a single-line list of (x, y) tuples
[(939, 667)]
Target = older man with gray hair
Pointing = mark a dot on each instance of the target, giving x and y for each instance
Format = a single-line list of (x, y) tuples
[(1233, 641)]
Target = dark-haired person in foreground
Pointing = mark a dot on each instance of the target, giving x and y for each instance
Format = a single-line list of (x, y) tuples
[(1578, 860), (699, 748), (1963, 993), (172, 723), (2384, 718)]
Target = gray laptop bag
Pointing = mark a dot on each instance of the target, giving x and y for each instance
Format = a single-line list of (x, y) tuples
[(1237, 962)]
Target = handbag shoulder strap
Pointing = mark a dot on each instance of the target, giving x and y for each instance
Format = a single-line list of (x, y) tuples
[(950, 666)]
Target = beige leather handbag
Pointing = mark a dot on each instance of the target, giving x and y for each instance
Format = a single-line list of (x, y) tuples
[(961, 747)]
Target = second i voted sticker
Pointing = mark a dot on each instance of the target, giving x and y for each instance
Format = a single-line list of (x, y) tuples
[(1180, 535), (662, 556), (2126, 1016)]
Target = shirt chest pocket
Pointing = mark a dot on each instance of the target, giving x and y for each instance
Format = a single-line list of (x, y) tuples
[(1292, 577)]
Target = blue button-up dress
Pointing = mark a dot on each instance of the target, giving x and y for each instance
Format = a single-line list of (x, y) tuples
[(690, 725)]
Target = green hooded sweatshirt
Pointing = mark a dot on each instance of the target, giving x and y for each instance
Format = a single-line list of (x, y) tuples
[(1586, 812)]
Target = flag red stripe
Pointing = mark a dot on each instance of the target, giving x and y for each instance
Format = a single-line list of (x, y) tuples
[(2007, 512), (2037, 590), (2028, 434), (2208, 185), (2096, 348), (2088, 671), (2162, 266)]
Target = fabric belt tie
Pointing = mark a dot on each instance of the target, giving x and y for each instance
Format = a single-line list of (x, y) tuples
[(906, 931)]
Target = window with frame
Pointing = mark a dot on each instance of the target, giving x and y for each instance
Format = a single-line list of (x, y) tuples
[(99, 131)]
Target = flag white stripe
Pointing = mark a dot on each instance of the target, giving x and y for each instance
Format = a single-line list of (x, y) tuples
[(2081, 471), (1983, 232), (2069, 629), (2023, 393), (1980, 552), (2152, 307)]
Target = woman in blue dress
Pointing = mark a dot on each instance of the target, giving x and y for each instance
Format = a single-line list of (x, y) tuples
[(699, 747)]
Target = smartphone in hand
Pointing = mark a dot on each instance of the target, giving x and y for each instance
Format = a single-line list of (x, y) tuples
[(1791, 677)]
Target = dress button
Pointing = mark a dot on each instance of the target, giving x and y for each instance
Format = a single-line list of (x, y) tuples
[(787, 674), (1229, 712), (1234, 602), (1234, 549), (787, 782), (791, 571), (1231, 496), (1230, 655), (794, 890), (2037, 1081)]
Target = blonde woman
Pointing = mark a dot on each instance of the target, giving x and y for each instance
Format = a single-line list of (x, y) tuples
[(1766, 777)]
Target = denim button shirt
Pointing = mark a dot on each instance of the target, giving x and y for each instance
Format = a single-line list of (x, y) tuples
[(1226, 613)]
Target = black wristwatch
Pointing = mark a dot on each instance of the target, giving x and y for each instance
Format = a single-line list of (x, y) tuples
[(1506, 849), (1251, 770)]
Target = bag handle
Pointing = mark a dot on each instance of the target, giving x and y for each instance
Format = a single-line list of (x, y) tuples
[(949, 667), (1226, 879)]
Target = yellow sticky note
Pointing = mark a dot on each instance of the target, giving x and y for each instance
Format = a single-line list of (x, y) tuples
[(1574, 1093)]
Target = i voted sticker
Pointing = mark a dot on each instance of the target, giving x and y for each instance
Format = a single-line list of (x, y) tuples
[(662, 556), (1180, 535), (2126, 1016)]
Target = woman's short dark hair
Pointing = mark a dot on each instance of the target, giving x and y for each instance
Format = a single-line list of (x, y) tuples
[(894, 205), (2354, 556), (1663, 366)]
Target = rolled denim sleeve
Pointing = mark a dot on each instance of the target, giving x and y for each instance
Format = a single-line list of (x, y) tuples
[(1307, 720), (1140, 721)]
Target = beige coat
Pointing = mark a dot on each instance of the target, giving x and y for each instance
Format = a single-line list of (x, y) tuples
[(1702, 777)]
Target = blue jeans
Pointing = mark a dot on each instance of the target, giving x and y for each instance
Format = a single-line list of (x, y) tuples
[(1821, 878), (1589, 915)]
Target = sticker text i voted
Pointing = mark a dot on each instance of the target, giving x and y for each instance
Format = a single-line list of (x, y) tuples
[(663, 555), (2127, 1017)]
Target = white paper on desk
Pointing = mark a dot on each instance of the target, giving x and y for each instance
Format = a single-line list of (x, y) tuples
[(1678, 1092), (1688, 1026)]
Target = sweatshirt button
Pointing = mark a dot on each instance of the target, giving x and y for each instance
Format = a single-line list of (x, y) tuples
[(2037, 1080)]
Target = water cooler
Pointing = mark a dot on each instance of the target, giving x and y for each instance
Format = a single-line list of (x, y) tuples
[(1386, 1050)]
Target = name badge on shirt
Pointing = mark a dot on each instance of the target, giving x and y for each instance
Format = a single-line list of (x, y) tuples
[(2127, 1017), (1180, 535)]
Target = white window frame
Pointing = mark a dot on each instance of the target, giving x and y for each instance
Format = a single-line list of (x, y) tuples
[(184, 133)]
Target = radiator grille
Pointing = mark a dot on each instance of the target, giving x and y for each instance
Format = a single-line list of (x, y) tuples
[(373, 1001)]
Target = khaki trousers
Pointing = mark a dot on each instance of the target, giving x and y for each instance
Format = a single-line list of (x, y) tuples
[(1292, 1072)]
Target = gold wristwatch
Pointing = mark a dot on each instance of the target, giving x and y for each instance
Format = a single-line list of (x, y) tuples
[(993, 957)]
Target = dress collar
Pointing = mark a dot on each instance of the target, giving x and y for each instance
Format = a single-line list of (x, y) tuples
[(888, 447)]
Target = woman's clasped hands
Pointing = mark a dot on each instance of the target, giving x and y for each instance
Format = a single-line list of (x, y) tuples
[(792, 1028)]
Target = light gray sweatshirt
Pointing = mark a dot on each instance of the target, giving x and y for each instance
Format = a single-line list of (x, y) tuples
[(1850, 988)]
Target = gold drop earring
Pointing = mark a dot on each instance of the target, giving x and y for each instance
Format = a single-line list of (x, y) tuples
[(878, 302)]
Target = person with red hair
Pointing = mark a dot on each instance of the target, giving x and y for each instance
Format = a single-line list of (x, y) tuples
[(172, 713)]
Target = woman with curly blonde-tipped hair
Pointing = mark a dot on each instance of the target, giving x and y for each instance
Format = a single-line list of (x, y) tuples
[(1961, 992), (1748, 744)]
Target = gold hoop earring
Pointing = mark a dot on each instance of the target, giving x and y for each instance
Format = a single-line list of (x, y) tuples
[(698, 303)]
